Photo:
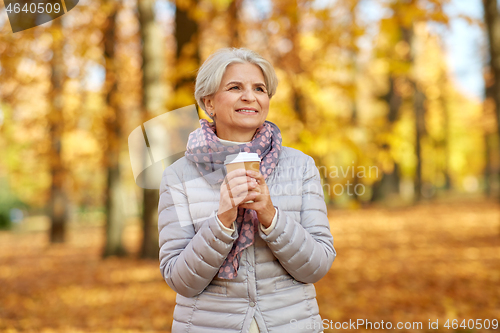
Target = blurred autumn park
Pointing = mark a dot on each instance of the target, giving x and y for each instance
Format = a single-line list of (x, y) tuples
[(418, 237)]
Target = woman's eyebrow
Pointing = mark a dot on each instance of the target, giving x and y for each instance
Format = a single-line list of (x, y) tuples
[(255, 84)]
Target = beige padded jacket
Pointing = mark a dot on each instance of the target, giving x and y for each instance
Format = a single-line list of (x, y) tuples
[(276, 274)]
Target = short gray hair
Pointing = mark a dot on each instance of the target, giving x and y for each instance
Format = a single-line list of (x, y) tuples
[(210, 73)]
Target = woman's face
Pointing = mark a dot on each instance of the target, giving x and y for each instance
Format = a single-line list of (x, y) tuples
[(242, 88)]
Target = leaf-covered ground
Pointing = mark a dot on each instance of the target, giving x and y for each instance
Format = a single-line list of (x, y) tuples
[(437, 262)]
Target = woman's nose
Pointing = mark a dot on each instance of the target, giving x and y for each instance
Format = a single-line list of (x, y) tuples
[(248, 95)]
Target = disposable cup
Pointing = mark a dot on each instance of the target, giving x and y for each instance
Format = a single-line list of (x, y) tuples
[(243, 160)]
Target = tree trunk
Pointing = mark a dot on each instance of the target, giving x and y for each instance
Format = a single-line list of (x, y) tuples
[(290, 59), (354, 124), (58, 198), (233, 23), (488, 147), (115, 219), (492, 20), (187, 61), (188, 50), (152, 105), (488, 165), (419, 108), (419, 111), (389, 183), (446, 145), (294, 64)]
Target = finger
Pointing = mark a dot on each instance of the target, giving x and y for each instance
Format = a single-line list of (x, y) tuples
[(243, 182), (255, 195), (252, 180), (256, 175), (228, 193), (252, 195), (235, 173), (256, 190), (237, 181), (247, 205), (242, 190)]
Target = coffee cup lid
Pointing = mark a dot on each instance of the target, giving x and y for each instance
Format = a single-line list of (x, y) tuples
[(242, 157)]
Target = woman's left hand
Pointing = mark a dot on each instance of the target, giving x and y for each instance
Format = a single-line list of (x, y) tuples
[(262, 203)]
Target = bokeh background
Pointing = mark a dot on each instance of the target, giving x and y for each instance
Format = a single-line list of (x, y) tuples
[(396, 100)]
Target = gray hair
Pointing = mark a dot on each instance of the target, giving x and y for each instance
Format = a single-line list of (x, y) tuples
[(210, 73)]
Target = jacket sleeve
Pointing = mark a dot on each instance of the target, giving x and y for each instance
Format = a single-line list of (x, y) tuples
[(188, 260), (304, 248)]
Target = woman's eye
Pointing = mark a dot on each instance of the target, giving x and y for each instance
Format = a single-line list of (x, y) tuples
[(233, 87), (261, 89)]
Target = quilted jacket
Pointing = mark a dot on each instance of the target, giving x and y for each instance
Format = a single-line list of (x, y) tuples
[(276, 274)]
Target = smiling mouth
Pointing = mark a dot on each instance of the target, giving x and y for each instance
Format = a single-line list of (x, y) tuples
[(246, 111)]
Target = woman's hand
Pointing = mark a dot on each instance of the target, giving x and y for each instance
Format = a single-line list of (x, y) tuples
[(262, 203), (236, 188)]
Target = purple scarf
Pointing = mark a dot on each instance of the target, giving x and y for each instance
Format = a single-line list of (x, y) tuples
[(208, 153)]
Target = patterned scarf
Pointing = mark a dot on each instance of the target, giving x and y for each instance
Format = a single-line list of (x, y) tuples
[(208, 153)]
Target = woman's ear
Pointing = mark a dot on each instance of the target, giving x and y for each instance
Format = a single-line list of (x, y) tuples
[(209, 106)]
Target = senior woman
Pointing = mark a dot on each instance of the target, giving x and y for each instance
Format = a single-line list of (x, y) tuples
[(242, 249)]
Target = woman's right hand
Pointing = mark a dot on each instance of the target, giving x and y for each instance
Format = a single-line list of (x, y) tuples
[(236, 188)]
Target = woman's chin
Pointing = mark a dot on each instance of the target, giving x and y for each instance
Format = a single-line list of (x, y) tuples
[(249, 120), (249, 123)]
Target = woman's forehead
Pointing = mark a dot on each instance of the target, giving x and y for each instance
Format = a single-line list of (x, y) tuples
[(242, 72)]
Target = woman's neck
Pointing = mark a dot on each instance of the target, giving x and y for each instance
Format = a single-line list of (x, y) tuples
[(236, 136), (231, 143)]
